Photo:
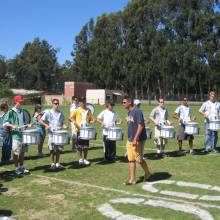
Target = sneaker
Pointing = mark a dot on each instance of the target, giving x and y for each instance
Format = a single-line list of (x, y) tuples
[(18, 170), (214, 151), (52, 166), (86, 162), (192, 152), (181, 153), (41, 154), (59, 166), (81, 162)]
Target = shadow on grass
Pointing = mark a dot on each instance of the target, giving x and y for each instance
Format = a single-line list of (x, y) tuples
[(9, 176), (5, 212), (156, 177)]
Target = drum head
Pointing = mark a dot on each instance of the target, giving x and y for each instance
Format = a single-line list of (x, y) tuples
[(90, 107), (27, 117)]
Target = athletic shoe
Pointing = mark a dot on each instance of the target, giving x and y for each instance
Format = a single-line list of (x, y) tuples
[(181, 153), (59, 166), (18, 170), (81, 162), (52, 166), (214, 151), (41, 154), (192, 152), (86, 162), (24, 171)]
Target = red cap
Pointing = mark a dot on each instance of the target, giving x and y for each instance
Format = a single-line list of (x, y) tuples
[(18, 99)]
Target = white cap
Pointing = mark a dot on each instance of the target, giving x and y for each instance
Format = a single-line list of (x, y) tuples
[(137, 102)]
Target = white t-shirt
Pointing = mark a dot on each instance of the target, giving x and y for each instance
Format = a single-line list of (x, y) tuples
[(73, 107), (108, 118), (184, 112)]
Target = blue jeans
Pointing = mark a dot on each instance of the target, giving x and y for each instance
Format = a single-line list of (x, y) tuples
[(211, 138)]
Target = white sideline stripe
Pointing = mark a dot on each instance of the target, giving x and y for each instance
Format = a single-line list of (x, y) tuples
[(203, 214), (210, 198), (193, 185), (179, 194), (118, 190)]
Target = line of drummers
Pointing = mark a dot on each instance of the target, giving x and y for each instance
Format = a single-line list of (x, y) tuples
[(17, 121)]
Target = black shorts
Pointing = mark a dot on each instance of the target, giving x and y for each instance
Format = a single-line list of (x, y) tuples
[(182, 135), (81, 144)]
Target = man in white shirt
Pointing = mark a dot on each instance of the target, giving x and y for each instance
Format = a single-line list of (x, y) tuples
[(184, 114), (159, 116), (210, 110), (107, 119)]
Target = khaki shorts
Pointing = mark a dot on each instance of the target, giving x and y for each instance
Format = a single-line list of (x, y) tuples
[(52, 146), (157, 139), (135, 153), (18, 147)]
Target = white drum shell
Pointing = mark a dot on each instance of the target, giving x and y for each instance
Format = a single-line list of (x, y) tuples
[(60, 137), (148, 132), (31, 136), (1, 141), (214, 125), (191, 128), (115, 134), (167, 132), (87, 133)]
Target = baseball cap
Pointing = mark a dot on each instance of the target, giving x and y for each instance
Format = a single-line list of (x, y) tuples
[(18, 99), (137, 102)]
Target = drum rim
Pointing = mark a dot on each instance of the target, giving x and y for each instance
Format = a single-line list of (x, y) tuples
[(30, 131)]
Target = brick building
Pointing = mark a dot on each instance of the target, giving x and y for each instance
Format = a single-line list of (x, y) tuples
[(76, 88)]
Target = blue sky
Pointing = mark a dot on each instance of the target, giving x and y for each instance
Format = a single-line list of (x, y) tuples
[(57, 21)]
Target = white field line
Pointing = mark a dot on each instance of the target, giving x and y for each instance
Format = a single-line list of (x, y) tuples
[(119, 191)]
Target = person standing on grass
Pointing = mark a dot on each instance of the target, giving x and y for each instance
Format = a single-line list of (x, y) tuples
[(73, 107), (159, 116), (53, 119), (14, 119), (36, 118), (81, 117), (136, 141), (5, 133), (108, 118), (210, 110), (184, 114)]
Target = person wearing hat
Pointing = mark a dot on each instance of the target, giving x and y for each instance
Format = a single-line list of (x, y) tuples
[(14, 119), (108, 118), (81, 117), (36, 118), (136, 141)]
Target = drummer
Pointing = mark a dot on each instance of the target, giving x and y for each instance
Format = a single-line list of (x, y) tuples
[(108, 118), (184, 114), (14, 119), (38, 113), (210, 110), (159, 116), (81, 117), (73, 107), (53, 119)]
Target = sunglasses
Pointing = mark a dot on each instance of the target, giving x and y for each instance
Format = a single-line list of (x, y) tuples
[(56, 103), (124, 102)]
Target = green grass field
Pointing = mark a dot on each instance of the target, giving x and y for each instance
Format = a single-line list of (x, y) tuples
[(93, 192)]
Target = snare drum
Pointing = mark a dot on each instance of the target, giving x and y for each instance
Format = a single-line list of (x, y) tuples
[(60, 137), (31, 136), (214, 125), (167, 132), (191, 128), (87, 133), (115, 134), (148, 132), (1, 141)]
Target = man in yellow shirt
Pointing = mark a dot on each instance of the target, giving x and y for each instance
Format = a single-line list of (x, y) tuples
[(81, 117)]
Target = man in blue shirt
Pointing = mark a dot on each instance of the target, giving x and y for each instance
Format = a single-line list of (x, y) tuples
[(136, 140)]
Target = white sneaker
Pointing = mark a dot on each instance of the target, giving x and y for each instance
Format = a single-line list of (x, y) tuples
[(81, 162), (59, 166), (18, 170), (52, 166), (24, 171), (86, 162)]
